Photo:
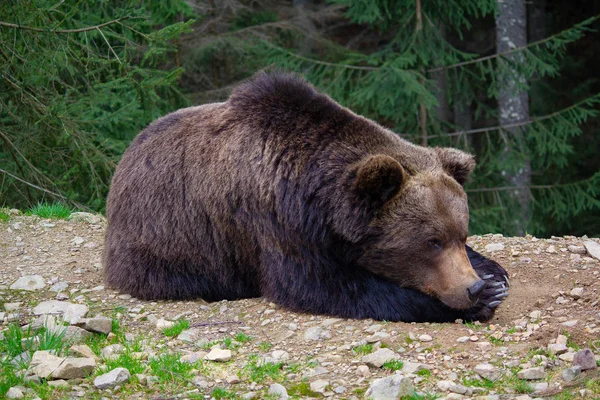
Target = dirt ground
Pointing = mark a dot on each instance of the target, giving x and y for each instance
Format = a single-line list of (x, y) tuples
[(543, 274)]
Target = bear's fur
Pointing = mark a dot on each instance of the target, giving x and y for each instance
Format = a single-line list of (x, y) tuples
[(283, 193)]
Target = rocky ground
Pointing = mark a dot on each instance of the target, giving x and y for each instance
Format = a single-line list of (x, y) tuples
[(64, 335)]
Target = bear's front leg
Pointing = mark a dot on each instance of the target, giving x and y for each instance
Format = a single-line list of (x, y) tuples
[(347, 292), (315, 287)]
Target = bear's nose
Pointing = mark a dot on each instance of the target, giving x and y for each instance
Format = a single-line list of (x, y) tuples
[(475, 290)]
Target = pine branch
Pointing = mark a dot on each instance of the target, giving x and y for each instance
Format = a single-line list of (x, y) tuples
[(592, 99), (579, 26), (89, 28)]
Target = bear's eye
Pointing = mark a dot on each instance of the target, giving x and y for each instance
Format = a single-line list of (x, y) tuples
[(435, 244)]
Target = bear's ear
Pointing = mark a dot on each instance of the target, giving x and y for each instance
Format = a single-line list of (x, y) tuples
[(456, 163), (378, 179)]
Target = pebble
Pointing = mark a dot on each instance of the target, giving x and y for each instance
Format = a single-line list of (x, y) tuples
[(570, 374), (319, 386), (425, 338), (15, 393), (557, 348), (488, 371), (316, 333), (113, 378), (531, 374), (380, 357), (218, 355), (577, 249), (576, 293), (278, 391), (492, 247), (70, 312)]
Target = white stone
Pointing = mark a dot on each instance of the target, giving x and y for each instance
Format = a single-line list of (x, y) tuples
[(112, 378), (593, 248), (425, 338), (189, 335), (488, 371), (162, 324), (412, 368), (492, 247), (532, 373), (278, 391), (14, 393), (29, 282), (72, 368), (390, 388), (43, 363), (218, 355), (380, 357), (557, 348), (316, 333), (96, 324), (319, 386), (576, 293), (70, 312)]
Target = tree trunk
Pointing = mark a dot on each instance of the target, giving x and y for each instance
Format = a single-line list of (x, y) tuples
[(511, 32)]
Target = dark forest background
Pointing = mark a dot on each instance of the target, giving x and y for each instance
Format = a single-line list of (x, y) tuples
[(515, 82)]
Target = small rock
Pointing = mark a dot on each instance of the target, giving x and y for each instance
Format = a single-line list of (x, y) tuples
[(74, 334), (457, 388), (339, 389), (377, 337), (535, 315), (29, 282), (319, 386), (189, 335), (280, 355), (112, 349), (193, 357), (380, 357), (162, 324), (445, 385), (593, 248), (492, 247), (463, 339), (390, 388), (316, 333), (96, 324), (540, 387), (232, 379), (14, 393), (72, 368), (59, 286), (570, 323), (412, 368), (60, 383), (81, 350), (531, 374), (86, 217), (112, 378), (561, 339), (577, 249), (218, 355), (425, 338), (363, 370), (570, 374), (585, 359), (43, 363), (568, 356), (279, 391), (488, 371), (557, 348), (576, 293), (70, 312)]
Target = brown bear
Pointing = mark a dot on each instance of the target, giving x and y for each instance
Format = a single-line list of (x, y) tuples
[(283, 193)]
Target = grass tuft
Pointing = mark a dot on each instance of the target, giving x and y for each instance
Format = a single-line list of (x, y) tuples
[(393, 365), (4, 216), (363, 349), (177, 328), (258, 370), (243, 338), (53, 211), (222, 393)]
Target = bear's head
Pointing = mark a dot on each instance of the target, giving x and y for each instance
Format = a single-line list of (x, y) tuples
[(420, 222)]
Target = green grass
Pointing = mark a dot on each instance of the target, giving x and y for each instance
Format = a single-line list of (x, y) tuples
[(521, 386), (425, 373), (495, 341), (424, 396), (259, 371), (172, 373), (125, 360), (393, 365), (265, 346), (301, 389), (177, 328), (512, 330), (53, 211), (243, 338), (363, 349), (483, 383), (49, 340), (4, 216), (221, 393)]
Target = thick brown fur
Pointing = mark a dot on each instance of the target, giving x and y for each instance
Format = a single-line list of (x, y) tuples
[(281, 192)]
